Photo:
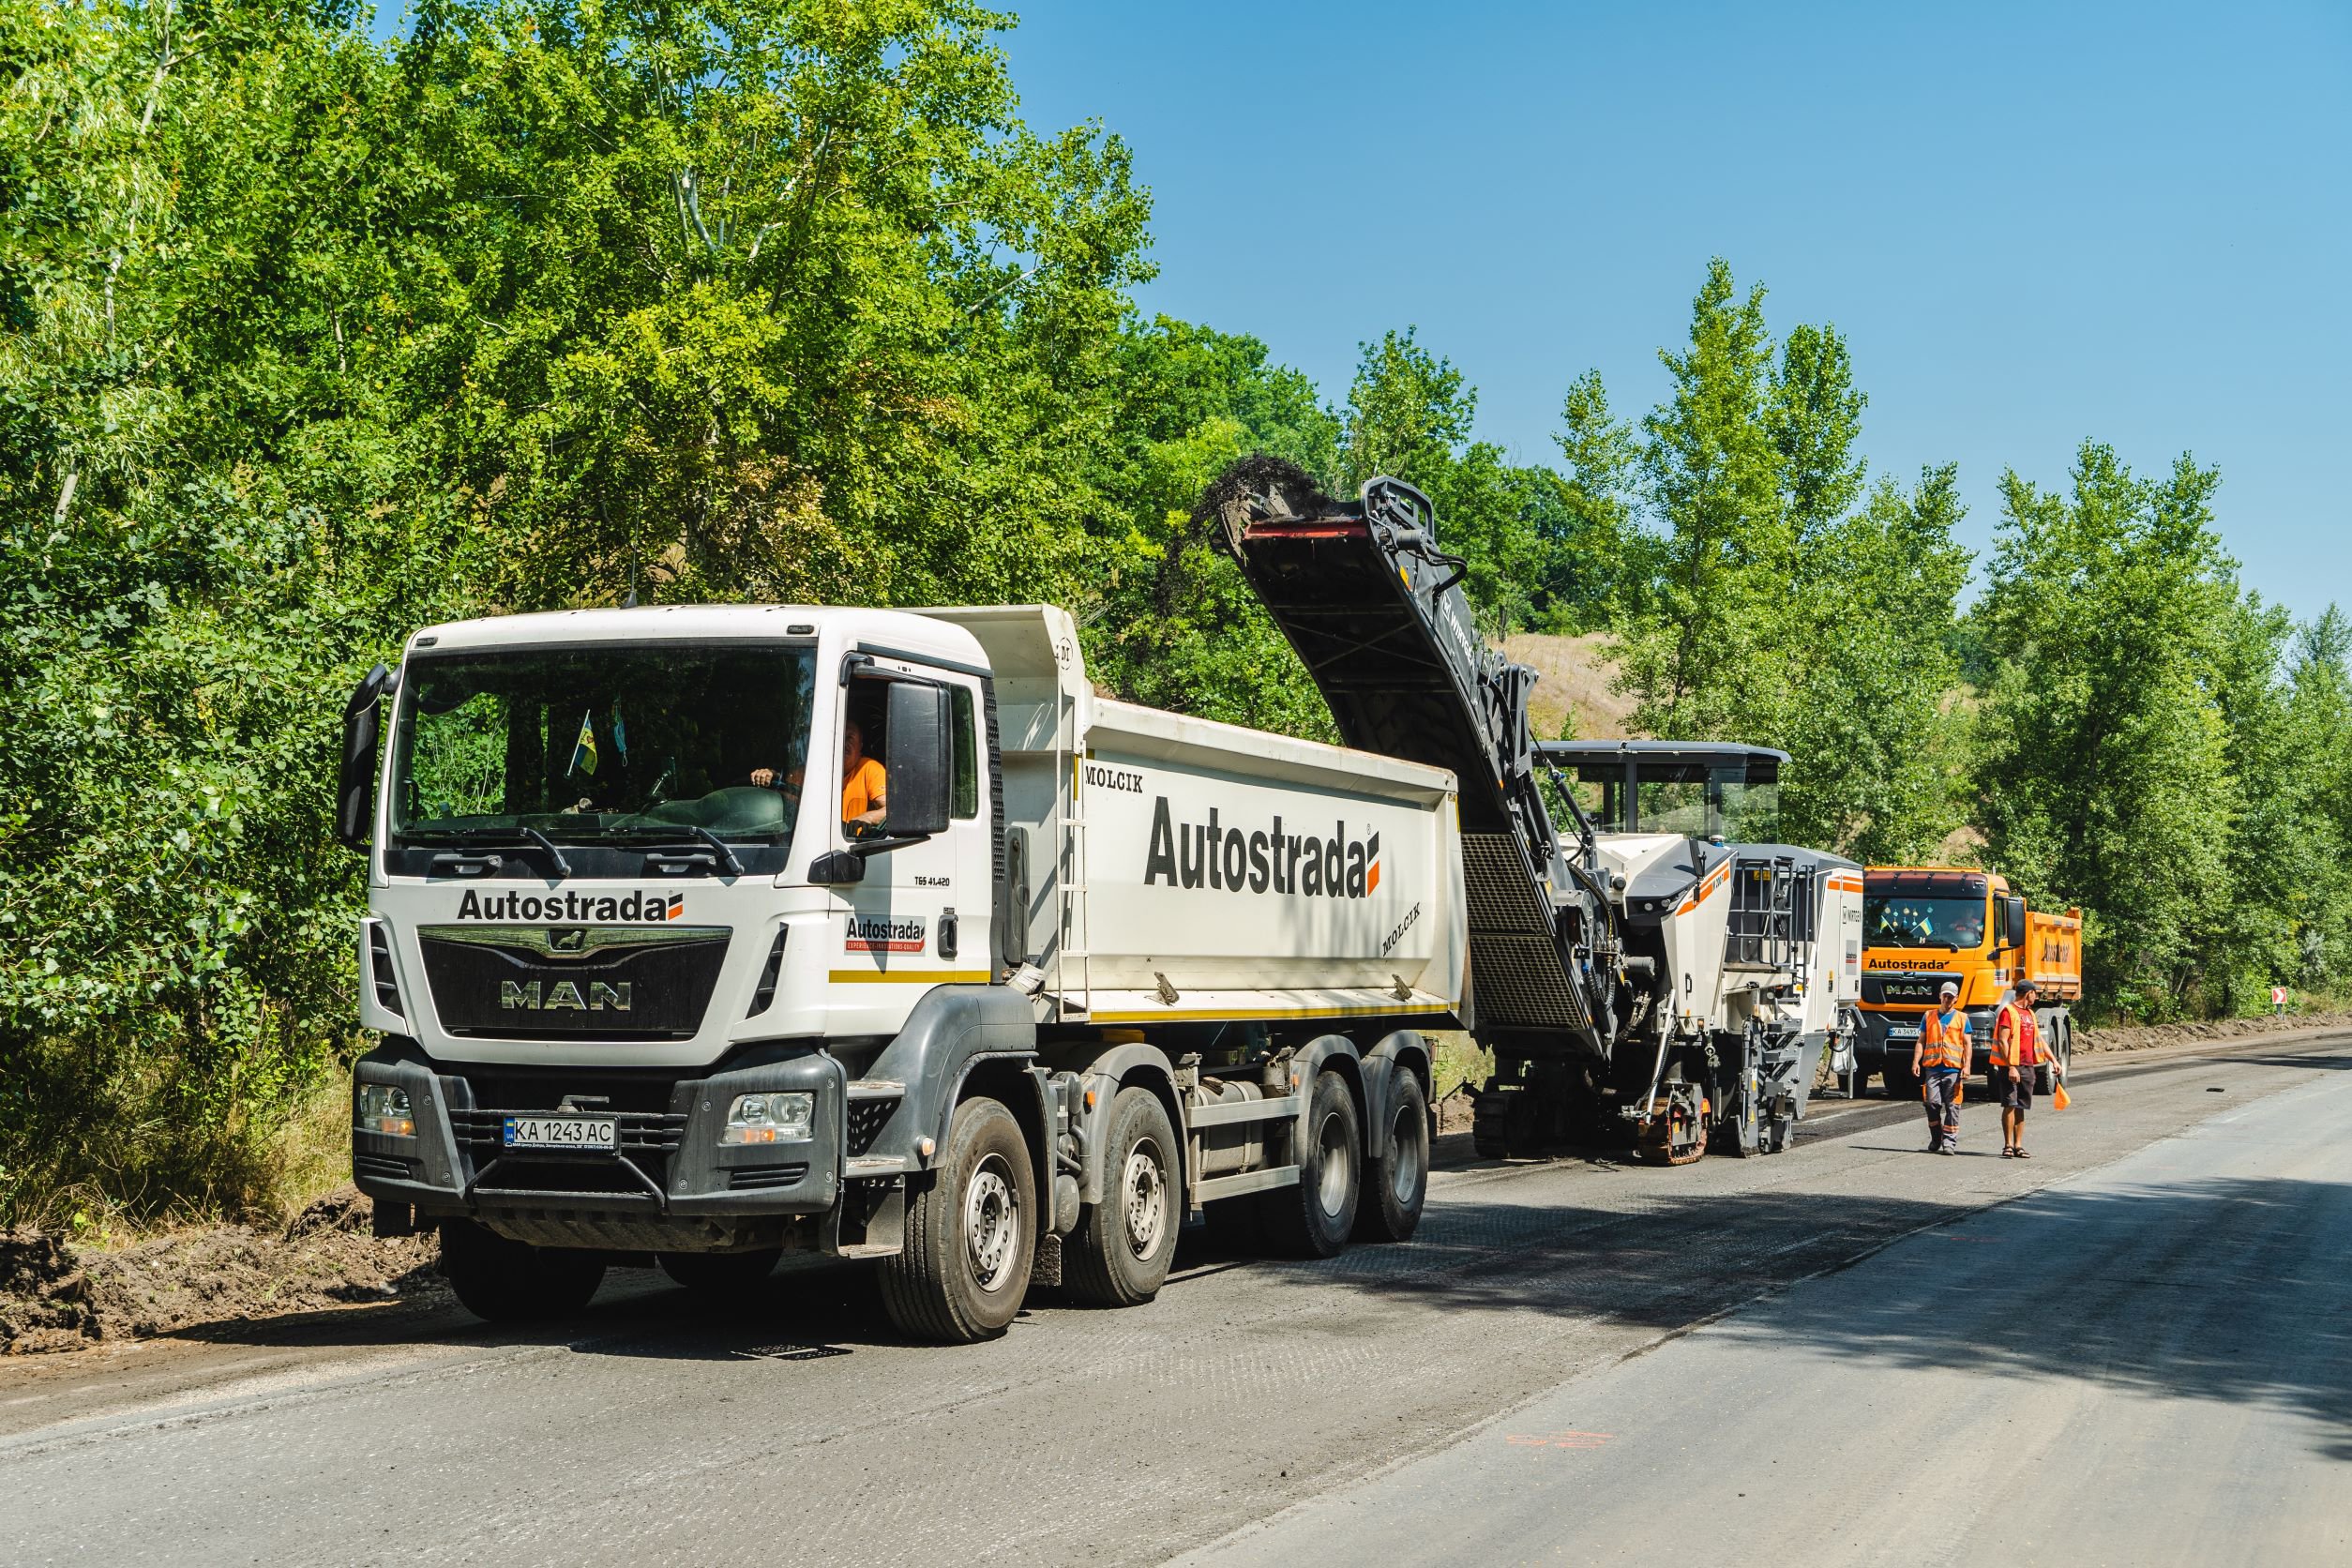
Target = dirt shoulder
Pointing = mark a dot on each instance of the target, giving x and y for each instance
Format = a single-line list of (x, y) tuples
[(2156, 1036), (57, 1296)]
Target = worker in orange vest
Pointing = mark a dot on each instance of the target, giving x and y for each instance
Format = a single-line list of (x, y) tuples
[(1938, 1061), (2016, 1053)]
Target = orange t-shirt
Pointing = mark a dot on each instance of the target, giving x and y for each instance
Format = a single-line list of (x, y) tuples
[(861, 790)]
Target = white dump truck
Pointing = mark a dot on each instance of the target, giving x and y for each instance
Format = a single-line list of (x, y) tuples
[(710, 932), (701, 934)]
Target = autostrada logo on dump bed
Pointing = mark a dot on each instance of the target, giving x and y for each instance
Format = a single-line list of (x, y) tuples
[(1234, 860), (603, 909)]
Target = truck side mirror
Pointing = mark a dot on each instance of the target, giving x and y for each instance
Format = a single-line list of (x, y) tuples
[(355, 785), (920, 742), (2012, 922)]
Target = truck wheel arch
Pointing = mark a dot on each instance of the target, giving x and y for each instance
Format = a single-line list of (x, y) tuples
[(1404, 1050), (1338, 1054), (1136, 1064), (1013, 1080)]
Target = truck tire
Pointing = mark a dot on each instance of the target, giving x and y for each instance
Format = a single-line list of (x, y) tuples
[(1901, 1085), (2060, 1045), (1119, 1254), (1312, 1218), (1396, 1172), (1490, 1136), (719, 1274), (512, 1282), (970, 1234)]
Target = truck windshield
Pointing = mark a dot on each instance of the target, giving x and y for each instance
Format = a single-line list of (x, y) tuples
[(623, 742), (1694, 799), (1896, 918)]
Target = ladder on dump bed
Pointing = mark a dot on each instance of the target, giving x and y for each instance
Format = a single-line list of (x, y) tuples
[(1377, 613)]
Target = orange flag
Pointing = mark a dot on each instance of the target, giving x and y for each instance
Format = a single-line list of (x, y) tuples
[(2058, 1095)]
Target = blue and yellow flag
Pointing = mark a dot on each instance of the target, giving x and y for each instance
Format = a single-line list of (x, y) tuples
[(584, 749)]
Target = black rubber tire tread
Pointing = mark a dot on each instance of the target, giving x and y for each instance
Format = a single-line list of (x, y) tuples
[(503, 1281), (1296, 1224), (1861, 1083), (1901, 1085), (1380, 1217), (1523, 1130), (1097, 1267), (719, 1274), (928, 1289)]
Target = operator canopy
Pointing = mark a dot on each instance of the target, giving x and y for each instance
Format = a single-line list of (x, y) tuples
[(1697, 789)]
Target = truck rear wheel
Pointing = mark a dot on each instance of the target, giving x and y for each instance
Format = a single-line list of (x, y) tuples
[(970, 1234), (1313, 1218), (511, 1282), (1396, 1176), (1125, 1243)]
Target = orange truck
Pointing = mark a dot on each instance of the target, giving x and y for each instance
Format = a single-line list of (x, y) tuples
[(1924, 925)]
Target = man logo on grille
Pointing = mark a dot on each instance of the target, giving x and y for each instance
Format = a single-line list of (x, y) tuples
[(565, 996)]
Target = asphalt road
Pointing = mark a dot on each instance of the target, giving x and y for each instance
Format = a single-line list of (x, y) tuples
[(2142, 1364), (2132, 1348)]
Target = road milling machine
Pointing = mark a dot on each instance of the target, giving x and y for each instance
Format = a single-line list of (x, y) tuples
[(1660, 972)]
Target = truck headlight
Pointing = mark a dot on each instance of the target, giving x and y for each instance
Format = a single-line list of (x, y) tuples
[(769, 1118), (383, 1107)]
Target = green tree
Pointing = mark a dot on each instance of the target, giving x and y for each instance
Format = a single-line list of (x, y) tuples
[(1599, 562), (1170, 621), (309, 342), (1712, 475), (2106, 773), (1873, 751)]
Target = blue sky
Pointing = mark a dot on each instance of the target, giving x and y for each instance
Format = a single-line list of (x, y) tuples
[(2033, 223)]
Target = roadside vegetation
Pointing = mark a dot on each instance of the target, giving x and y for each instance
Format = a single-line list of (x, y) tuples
[(306, 341)]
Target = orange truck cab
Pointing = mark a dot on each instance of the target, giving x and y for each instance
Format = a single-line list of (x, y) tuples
[(1924, 925)]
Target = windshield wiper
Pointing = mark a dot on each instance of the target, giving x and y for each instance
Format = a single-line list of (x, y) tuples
[(563, 867), (654, 837), (499, 835), (725, 856)]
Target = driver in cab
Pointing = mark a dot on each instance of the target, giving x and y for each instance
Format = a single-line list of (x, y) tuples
[(865, 796)]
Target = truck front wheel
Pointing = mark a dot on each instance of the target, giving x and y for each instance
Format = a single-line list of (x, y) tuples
[(1396, 1177), (512, 1282), (1125, 1243), (1313, 1218), (970, 1234)]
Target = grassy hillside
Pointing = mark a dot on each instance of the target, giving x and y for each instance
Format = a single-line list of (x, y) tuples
[(1576, 681)]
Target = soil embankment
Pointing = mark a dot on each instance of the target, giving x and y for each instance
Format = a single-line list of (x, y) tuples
[(57, 1296)]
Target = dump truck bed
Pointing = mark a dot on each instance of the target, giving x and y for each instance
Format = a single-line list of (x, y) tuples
[(1185, 870)]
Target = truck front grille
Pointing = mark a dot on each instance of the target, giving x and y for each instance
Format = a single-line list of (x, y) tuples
[(1903, 991), (599, 982)]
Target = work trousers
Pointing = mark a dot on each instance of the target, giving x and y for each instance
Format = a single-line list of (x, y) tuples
[(1939, 1087)]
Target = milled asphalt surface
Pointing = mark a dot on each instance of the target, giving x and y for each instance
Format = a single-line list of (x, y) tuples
[(2131, 1349), (2142, 1364)]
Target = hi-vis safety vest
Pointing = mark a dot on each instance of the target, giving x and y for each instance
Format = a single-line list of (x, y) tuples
[(2019, 1043), (1942, 1045)]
